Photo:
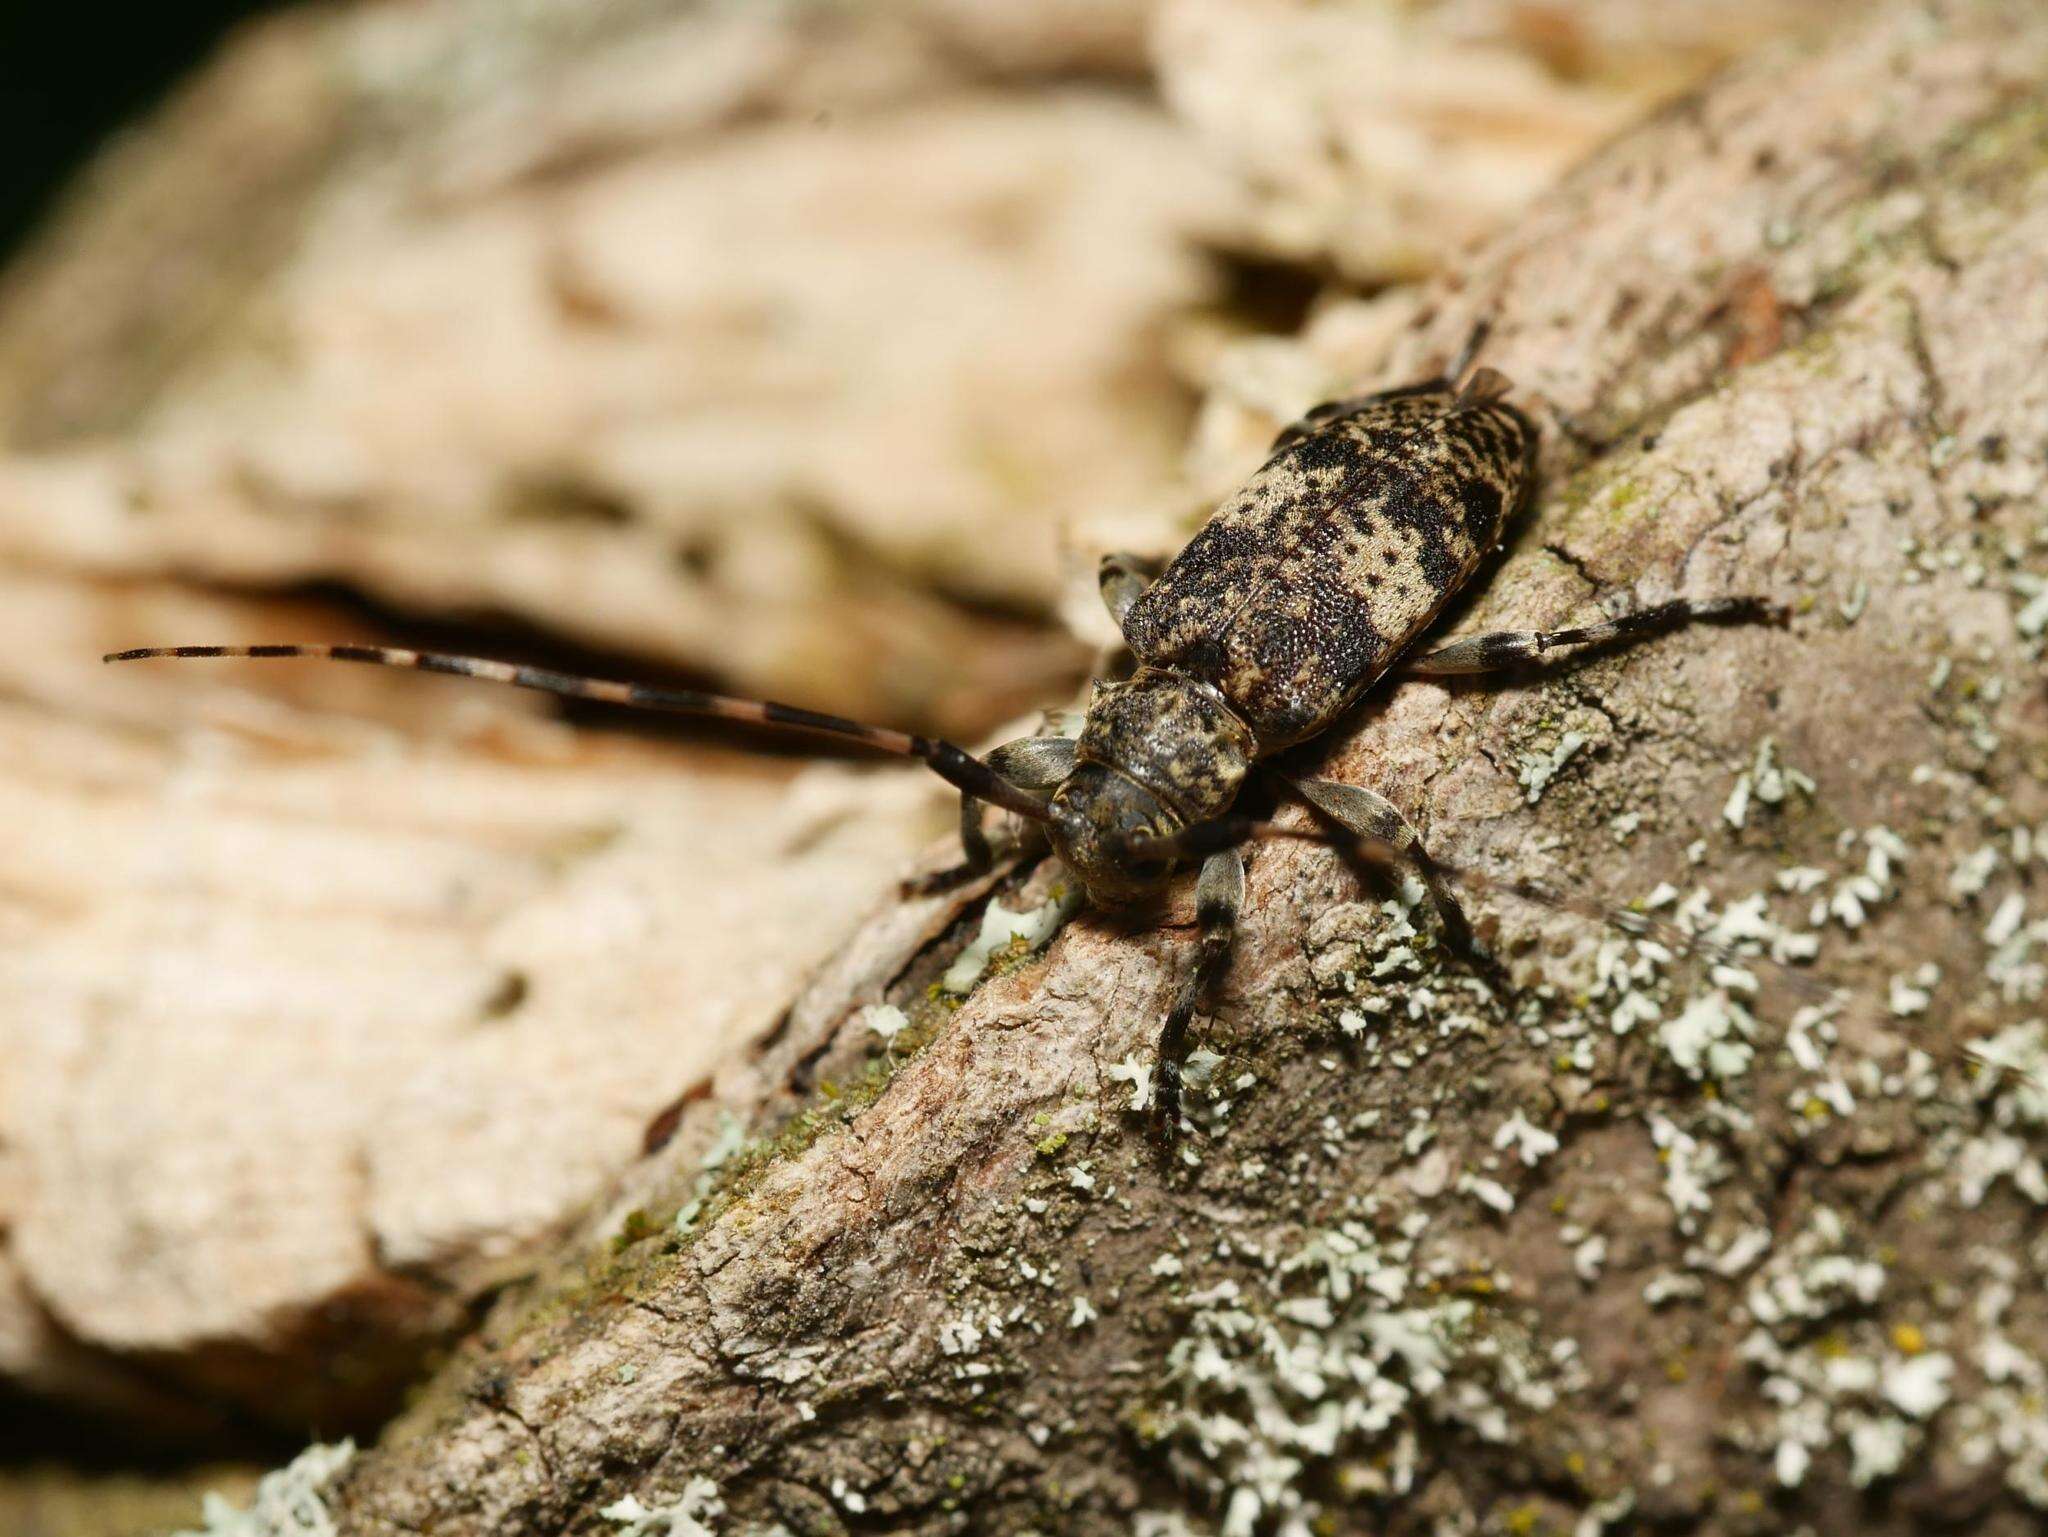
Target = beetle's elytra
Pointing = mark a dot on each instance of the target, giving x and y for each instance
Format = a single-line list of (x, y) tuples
[(1301, 591), (1309, 582)]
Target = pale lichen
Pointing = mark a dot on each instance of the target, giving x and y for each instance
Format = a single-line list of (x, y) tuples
[(1341, 1360), (290, 1502), (1002, 928), (1136, 1072), (689, 1514)]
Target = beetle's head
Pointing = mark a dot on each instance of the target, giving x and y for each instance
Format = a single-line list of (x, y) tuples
[(1096, 812)]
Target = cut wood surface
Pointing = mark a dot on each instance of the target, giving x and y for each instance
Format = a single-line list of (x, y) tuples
[(313, 1020), (1633, 1244)]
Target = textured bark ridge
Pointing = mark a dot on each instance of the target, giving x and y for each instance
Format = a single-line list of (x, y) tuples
[(1632, 1245)]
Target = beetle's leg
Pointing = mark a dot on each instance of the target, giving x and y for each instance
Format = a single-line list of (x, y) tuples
[(1498, 650), (1034, 763), (1460, 375), (1372, 816), (1122, 577), (977, 855), (1313, 418), (1219, 897)]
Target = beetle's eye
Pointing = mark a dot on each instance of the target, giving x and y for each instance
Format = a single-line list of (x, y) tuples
[(1142, 844)]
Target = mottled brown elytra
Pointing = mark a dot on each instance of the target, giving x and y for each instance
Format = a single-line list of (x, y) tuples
[(1302, 591)]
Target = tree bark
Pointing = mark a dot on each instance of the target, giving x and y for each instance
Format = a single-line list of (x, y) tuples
[(1626, 1245)]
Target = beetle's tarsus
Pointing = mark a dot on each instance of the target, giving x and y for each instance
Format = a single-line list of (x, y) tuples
[(1166, 1108)]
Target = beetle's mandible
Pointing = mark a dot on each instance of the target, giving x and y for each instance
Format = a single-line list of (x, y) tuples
[(1303, 590)]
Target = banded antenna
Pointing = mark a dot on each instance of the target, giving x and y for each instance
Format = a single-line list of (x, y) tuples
[(1208, 837), (958, 767)]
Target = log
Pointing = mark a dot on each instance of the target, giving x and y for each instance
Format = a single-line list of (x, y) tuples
[(1625, 1245), (328, 995)]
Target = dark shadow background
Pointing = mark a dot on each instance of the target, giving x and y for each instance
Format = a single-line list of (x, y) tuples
[(70, 75)]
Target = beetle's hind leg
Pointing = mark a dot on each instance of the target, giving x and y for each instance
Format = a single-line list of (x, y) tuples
[(1498, 650), (1313, 419), (1371, 816), (1219, 898), (1034, 763)]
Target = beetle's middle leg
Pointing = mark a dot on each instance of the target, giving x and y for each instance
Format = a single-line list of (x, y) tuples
[(1035, 763), (1372, 816), (1219, 898), (1497, 650)]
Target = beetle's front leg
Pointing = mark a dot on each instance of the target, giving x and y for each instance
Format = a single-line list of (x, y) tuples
[(1035, 763), (1219, 898), (1372, 816)]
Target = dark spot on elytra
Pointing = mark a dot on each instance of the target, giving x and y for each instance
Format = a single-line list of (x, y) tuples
[(1481, 503)]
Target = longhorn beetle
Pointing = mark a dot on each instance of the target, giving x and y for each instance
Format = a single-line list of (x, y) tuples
[(1301, 591)]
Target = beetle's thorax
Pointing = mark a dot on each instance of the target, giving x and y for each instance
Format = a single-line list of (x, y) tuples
[(1158, 754), (1173, 735)]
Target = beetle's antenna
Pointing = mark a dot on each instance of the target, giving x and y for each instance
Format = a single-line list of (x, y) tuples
[(1207, 837), (1680, 941), (955, 765), (1637, 925)]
